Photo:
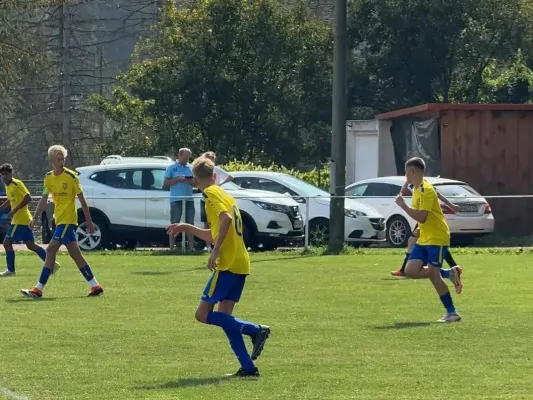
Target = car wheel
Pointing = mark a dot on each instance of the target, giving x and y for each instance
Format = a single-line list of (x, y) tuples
[(248, 235), (398, 231), (318, 233), (91, 241)]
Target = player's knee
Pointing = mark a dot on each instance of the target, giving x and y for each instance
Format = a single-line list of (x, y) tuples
[(201, 316), (8, 244)]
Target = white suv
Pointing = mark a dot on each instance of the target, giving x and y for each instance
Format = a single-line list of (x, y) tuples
[(130, 206)]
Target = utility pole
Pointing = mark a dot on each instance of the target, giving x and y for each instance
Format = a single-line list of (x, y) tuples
[(64, 38), (338, 140)]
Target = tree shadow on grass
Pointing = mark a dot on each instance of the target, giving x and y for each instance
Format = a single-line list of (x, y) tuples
[(193, 382), (28, 300), (401, 325)]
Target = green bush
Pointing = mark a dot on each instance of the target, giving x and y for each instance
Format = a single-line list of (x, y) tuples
[(317, 177)]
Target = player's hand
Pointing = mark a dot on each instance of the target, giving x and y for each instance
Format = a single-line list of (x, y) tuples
[(416, 232), (456, 208), (400, 201), (175, 229), (90, 226), (212, 262), (31, 225)]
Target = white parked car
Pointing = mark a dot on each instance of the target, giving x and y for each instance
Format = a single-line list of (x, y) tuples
[(130, 206), (363, 224), (474, 218)]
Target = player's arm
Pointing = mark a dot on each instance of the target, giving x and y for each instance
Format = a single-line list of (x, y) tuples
[(203, 234), (225, 220), (420, 215), (25, 201), (85, 208), (443, 198)]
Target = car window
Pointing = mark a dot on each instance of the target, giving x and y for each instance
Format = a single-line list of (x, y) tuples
[(381, 190), (246, 183), (357, 190), (456, 190), (123, 179), (156, 177), (99, 177), (271, 186)]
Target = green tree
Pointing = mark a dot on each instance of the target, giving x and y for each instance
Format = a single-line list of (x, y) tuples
[(250, 80), (418, 51)]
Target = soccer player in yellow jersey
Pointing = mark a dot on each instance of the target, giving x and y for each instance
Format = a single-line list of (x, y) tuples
[(18, 198), (64, 186), (433, 240), (230, 263)]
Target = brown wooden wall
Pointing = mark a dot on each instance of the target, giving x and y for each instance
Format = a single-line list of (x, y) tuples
[(491, 151)]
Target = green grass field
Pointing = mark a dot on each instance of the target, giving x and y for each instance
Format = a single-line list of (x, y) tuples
[(343, 328)]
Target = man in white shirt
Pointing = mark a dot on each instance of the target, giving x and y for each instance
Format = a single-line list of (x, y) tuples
[(221, 177)]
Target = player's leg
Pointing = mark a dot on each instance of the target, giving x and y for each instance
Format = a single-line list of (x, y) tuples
[(82, 264), (410, 244), (454, 273), (175, 217), (189, 219), (49, 262), (217, 288), (10, 253), (435, 258), (29, 240), (415, 265)]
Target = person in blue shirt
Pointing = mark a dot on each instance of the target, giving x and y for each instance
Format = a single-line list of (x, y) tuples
[(178, 177)]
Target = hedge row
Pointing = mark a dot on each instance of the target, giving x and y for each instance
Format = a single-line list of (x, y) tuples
[(318, 177)]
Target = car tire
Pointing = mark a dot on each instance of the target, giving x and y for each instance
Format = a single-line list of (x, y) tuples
[(318, 232), (95, 241), (248, 235), (398, 231)]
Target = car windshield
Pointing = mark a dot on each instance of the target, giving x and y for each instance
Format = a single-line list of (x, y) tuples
[(301, 187), (455, 190)]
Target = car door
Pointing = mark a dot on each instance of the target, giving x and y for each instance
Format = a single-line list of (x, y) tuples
[(119, 194), (381, 196), (157, 198)]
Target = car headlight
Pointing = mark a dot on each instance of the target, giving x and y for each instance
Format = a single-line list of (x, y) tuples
[(353, 213), (272, 207)]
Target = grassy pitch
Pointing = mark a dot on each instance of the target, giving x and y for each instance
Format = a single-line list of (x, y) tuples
[(342, 328)]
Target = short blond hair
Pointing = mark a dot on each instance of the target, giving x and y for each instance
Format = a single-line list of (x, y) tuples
[(211, 155), (203, 168), (184, 150), (57, 148)]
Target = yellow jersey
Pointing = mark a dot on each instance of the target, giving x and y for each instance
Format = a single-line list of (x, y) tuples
[(16, 191), (435, 231), (233, 255), (64, 189)]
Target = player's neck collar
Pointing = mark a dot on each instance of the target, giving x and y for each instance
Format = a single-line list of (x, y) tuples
[(62, 170)]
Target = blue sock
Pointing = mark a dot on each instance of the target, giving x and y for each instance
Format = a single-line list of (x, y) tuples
[(236, 342), (41, 253), (45, 274), (87, 273), (10, 259), (447, 302), (445, 273), (230, 323)]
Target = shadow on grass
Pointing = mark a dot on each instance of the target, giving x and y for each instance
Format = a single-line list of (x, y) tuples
[(178, 253), (401, 325), (28, 300), (150, 273), (192, 382), (284, 258)]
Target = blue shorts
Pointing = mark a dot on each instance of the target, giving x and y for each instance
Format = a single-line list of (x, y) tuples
[(65, 234), (430, 255), (224, 285), (20, 233)]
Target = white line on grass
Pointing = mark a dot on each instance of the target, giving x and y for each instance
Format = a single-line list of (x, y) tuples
[(12, 395)]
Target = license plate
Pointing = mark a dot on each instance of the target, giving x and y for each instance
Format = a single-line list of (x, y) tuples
[(468, 208), (298, 224)]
